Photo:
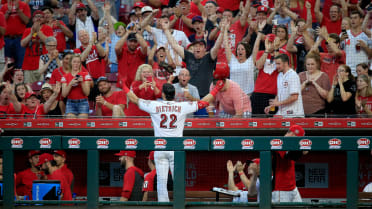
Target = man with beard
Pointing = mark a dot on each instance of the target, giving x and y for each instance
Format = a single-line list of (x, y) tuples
[(133, 177), (109, 103), (49, 166), (184, 90), (25, 178), (8, 102), (60, 158)]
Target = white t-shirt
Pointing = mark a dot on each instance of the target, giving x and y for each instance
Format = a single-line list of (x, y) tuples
[(168, 117), (162, 40), (354, 57), (288, 84), (242, 73)]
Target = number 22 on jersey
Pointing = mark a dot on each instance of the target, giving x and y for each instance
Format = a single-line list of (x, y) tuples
[(168, 122)]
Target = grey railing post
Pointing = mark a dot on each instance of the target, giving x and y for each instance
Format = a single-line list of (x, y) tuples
[(8, 179), (179, 180), (265, 180), (93, 179), (352, 181)]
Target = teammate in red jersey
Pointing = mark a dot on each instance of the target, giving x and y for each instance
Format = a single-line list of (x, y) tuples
[(60, 158), (25, 178)]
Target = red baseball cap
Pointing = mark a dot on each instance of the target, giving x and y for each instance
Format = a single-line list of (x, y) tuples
[(126, 153), (262, 9), (270, 37), (33, 152), (30, 94), (255, 160), (45, 157), (151, 155), (38, 12), (222, 71), (187, 1), (139, 4), (60, 152), (80, 6), (297, 130)]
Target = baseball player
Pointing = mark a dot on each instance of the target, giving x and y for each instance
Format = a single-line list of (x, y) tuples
[(148, 183), (133, 177), (60, 158), (25, 178), (168, 118), (284, 180)]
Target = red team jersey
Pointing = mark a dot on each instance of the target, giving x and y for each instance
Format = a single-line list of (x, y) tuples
[(148, 183), (117, 97), (65, 187), (24, 180), (6, 111), (15, 26), (94, 63), (129, 181), (266, 82), (76, 91), (285, 176), (38, 112)]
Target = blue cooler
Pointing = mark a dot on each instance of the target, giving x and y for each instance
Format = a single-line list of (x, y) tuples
[(46, 190)]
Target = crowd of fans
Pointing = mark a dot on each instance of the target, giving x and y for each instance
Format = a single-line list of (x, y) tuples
[(291, 58)]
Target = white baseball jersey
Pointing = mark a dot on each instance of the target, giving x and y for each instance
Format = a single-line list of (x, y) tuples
[(168, 117), (289, 83), (354, 57)]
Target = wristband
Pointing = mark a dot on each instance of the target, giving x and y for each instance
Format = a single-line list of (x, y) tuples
[(241, 173)]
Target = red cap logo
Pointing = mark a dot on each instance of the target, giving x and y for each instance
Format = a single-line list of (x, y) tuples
[(131, 142), (160, 142), (334, 142), (74, 142), (45, 142), (189, 142), (103, 142), (305, 143), (16, 141)]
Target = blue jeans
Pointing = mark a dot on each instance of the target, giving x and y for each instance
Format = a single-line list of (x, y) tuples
[(79, 106), (14, 49)]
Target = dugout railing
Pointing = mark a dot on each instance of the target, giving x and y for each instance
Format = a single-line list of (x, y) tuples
[(181, 146)]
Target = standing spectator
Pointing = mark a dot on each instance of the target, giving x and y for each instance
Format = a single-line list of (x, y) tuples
[(288, 98), (133, 177), (50, 61), (46, 92), (8, 102), (59, 157), (333, 22), (315, 86), (342, 95), (2, 43), (48, 166), (284, 175), (109, 103), (184, 90), (25, 178), (76, 87), (199, 63), (358, 43), (148, 183), (130, 56), (32, 107), (241, 65), (60, 30), (182, 18), (163, 65), (230, 101), (17, 15), (145, 86), (79, 20), (198, 26), (363, 97), (33, 40)]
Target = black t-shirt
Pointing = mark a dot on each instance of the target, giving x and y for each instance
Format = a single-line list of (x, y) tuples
[(201, 71), (301, 54), (266, 30), (337, 106)]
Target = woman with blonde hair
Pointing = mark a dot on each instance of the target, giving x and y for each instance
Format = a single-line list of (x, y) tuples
[(145, 87), (76, 87), (314, 86), (363, 97)]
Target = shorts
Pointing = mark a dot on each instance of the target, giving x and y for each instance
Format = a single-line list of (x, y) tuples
[(32, 76), (77, 106), (286, 196)]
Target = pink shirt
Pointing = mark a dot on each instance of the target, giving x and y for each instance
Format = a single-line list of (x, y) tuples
[(233, 99)]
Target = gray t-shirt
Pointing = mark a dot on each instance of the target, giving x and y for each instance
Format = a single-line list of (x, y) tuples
[(180, 96), (201, 71)]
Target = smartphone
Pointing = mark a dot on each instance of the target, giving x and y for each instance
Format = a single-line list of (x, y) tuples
[(343, 31), (149, 79), (77, 76)]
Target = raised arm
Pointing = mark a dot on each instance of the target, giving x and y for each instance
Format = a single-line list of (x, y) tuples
[(226, 44), (52, 98), (273, 13), (245, 13), (230, 181), (142, 43), (94, 10), (343, 8), (13, 99), (318, 14), (148, 19), (217, 45), (130, 95), (365, 24), (290, 44), (172, 41), (108, 19), (119, 45), (309, 17), (72, 13), (256, 47)]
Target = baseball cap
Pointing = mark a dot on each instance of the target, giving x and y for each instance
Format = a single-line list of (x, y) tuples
[(45, 157), (256, 3), (297, 130), (60, 152), (126, 153), (132, 12), (151, 155), (222, 71), (262, 9), (159, 47), (102, 78), (197, 41), (30, 94), (270, 37), (212, 2), (139, 4), (197, 19), (255, 160), (33, 152), (132, 36), (80, 6), (38, 12), (186, 1), (146, 9), (46, 86)]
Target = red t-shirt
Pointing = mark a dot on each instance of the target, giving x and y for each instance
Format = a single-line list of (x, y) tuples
[(93, 62), (180, 25), (229, 4), (129, 180), (194, 9), (147, 94), (128, 63), (235, 36), (2, 24), (57, 75), (117, 97), (38, 112), (68, 174), (65, 187), (285, 176), (15, 26), (7, 111), (35, 48), (330, 63), (148, 183), (60, 36), (265, 82), (24, 180), (368, 101), (304, 13), (76, 92), (332, 27)]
